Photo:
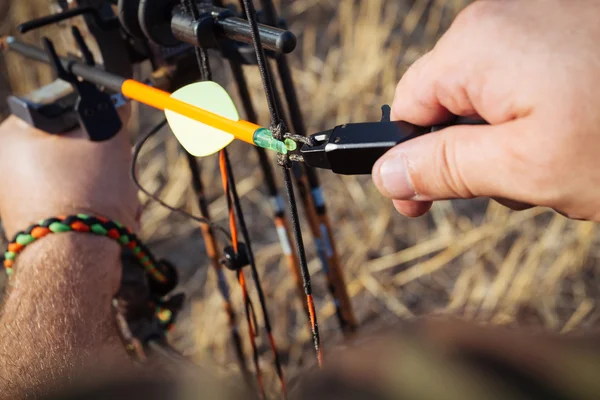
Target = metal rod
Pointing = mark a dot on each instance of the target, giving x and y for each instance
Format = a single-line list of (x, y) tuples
[(54, 18), (216, 23), (86, 72)]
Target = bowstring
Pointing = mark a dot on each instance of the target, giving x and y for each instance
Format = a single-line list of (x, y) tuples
[(314, 204), (278, 132)]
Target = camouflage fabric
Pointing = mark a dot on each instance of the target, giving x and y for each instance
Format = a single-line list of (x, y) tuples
[(451, 360), (427, 360)]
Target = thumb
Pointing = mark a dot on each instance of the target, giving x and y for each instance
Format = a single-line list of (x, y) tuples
[(458, 162)]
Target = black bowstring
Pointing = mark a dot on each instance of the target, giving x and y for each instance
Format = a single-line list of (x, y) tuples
[(347, 323), (133, 173), (277, 124)]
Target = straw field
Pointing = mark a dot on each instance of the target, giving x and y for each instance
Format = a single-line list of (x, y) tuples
[(473, 259)]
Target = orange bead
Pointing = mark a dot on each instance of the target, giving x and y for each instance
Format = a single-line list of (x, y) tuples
[(79, 226), (39, 232), (15, 247)]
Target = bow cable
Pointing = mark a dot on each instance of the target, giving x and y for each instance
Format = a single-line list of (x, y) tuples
[(314, 204), (210, 240)]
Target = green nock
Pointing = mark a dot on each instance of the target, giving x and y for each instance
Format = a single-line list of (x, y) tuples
[(264, 138)]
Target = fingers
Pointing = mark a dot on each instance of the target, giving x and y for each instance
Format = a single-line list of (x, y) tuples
[(414, 209), (415, 100), (457, 162)]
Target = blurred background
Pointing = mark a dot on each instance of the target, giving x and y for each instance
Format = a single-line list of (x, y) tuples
[(473, 259)]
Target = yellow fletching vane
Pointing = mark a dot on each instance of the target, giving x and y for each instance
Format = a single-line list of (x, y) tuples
[(197, 138)]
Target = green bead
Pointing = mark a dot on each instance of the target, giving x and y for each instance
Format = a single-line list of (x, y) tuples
[(137, 250), (124, 239), (9, 255), (9, 271), (118, 224), (99, 229), (144, 259), (24, 239), (58, 227), (83, 216)]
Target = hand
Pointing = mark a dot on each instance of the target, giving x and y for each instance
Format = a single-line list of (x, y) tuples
[(43, 176), (531, 68)]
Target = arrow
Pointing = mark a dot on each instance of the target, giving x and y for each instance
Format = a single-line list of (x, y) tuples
[(204, 118), (201, 115)]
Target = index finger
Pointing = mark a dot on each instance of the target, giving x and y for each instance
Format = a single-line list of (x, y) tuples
[(430, 93)]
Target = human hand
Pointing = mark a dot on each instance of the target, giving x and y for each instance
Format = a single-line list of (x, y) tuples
[(531, 68), (43, 176)]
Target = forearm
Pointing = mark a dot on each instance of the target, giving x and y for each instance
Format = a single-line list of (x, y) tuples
[(57, 316)]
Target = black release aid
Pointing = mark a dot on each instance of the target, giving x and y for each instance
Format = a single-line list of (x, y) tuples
[(353, 149)]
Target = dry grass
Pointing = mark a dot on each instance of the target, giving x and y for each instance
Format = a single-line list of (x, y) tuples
[(474, 259)]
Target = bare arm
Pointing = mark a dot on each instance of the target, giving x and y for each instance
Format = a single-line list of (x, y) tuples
[(57, 317)]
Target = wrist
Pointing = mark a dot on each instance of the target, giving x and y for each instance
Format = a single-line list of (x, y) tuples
[(71, 255), (85, 224)]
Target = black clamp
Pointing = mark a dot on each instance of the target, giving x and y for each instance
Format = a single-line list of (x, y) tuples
[(95, 109)]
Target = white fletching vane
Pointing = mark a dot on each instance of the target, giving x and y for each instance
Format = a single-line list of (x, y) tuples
[(197, 138)]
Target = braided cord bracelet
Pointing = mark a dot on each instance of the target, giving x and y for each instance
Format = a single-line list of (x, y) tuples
[(89, 224)]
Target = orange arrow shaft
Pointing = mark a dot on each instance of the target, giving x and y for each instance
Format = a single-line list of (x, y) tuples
[(242, 130)]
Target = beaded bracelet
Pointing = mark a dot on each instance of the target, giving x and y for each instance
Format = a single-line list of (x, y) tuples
[(89, 224)]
